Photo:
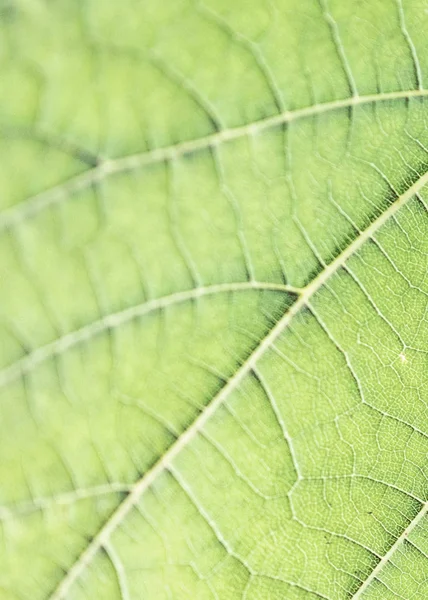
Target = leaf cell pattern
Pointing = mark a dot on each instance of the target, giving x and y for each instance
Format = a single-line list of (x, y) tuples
[(213, 318)]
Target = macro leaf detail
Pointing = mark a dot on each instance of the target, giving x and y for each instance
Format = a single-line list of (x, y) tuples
[(213, 315)]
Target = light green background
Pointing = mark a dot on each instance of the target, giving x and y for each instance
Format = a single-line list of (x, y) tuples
[(213, 300)]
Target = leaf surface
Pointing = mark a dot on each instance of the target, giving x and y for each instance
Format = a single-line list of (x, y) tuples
[(213, 315)]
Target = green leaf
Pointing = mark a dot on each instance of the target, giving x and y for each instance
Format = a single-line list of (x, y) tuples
[(213, 309)]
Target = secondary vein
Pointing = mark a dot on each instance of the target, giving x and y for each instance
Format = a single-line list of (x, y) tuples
[(380, 565), (111, 321), (33, 205)]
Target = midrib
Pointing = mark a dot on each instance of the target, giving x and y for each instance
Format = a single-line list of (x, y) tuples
[(57, 194), (188, 435)]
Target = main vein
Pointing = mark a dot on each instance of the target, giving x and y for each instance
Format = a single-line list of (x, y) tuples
[(107, 167), (187, 436)]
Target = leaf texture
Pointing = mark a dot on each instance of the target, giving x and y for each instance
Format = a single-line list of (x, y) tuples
[(213, 310)]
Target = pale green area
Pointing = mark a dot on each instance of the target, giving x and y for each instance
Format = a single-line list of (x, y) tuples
[(155, 444)]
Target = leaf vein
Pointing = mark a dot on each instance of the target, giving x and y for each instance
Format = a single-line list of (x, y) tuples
[(33, 205), (165, 463)]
